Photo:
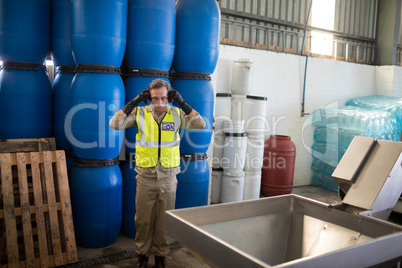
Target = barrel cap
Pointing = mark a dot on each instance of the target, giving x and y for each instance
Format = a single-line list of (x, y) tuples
[(23, 66), (193, 157), (95, 163), (99, 69), (147, 73), (256, 97), (223, 94), (244, 134)]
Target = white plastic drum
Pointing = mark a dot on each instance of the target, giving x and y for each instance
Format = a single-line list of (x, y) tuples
[(254, 153), (216, 185), (218, 148), (238, 107), (223, 107), (255, 114), (233, 126), (241, 76), (232, 186), (252, 185), (234, 153)]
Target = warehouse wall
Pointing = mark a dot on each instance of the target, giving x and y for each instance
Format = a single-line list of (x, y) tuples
[(279, 77), (388, 80)]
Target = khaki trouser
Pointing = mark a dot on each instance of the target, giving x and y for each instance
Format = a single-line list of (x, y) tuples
[(154, 197)]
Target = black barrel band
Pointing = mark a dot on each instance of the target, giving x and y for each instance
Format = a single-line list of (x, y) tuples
[(23, 66), (217, 169), (98, 69), (65, 69), (256, 97), (193, 157), (147, 73), (223, 95), (244, 134), (191, 76), (96, 163)]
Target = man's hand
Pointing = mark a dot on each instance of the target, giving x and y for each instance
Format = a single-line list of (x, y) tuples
[(143, 96), (175, 95), (120, 112)]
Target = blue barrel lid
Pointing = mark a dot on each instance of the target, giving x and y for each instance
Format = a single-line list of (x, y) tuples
[(193, 157), (101, 69), (95, 163)]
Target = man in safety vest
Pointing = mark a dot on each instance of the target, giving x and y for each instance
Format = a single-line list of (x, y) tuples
[(157, 159)]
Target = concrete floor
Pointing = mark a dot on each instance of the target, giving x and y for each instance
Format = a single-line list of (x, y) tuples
[(121, 253)]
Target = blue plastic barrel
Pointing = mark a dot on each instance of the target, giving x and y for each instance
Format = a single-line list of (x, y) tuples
[(25, 102), (99, 30), (96, 189), (137, 81), (96, 95), (70, 156), (61, 105), (197, 36), (24, 30), (151, 34), (193, 181), (129, 193), (60, 36), (199, 94)]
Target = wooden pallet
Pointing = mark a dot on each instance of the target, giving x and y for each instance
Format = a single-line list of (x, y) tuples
[(36, 226), (27, 145)]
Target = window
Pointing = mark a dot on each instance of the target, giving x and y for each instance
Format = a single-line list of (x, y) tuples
[(322, 16)]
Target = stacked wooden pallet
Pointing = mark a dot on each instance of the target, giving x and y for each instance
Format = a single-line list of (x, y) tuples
[(36, 226)]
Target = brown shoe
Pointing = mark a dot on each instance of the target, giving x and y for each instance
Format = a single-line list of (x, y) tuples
[(160, 262), (142, 261)]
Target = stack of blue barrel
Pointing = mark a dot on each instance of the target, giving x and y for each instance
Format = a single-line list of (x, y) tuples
[(98, 41), (25, 89), (149, 55), (195, 59), (62, 56)]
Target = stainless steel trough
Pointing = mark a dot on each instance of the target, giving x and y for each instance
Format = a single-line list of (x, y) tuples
[(284, 231)]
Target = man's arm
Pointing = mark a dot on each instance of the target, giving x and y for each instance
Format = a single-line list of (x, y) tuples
[(125, 117), (190, 118), (122, 121)]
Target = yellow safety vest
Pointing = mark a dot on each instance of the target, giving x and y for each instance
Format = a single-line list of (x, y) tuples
[(157, 141)]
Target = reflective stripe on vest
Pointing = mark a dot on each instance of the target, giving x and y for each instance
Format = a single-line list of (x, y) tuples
[(157, 141)]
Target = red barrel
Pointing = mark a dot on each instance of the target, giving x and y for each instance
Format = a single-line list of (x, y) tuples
[(278, 166)]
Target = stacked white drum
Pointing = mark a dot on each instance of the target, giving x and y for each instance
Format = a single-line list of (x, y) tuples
[(238, 139)]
